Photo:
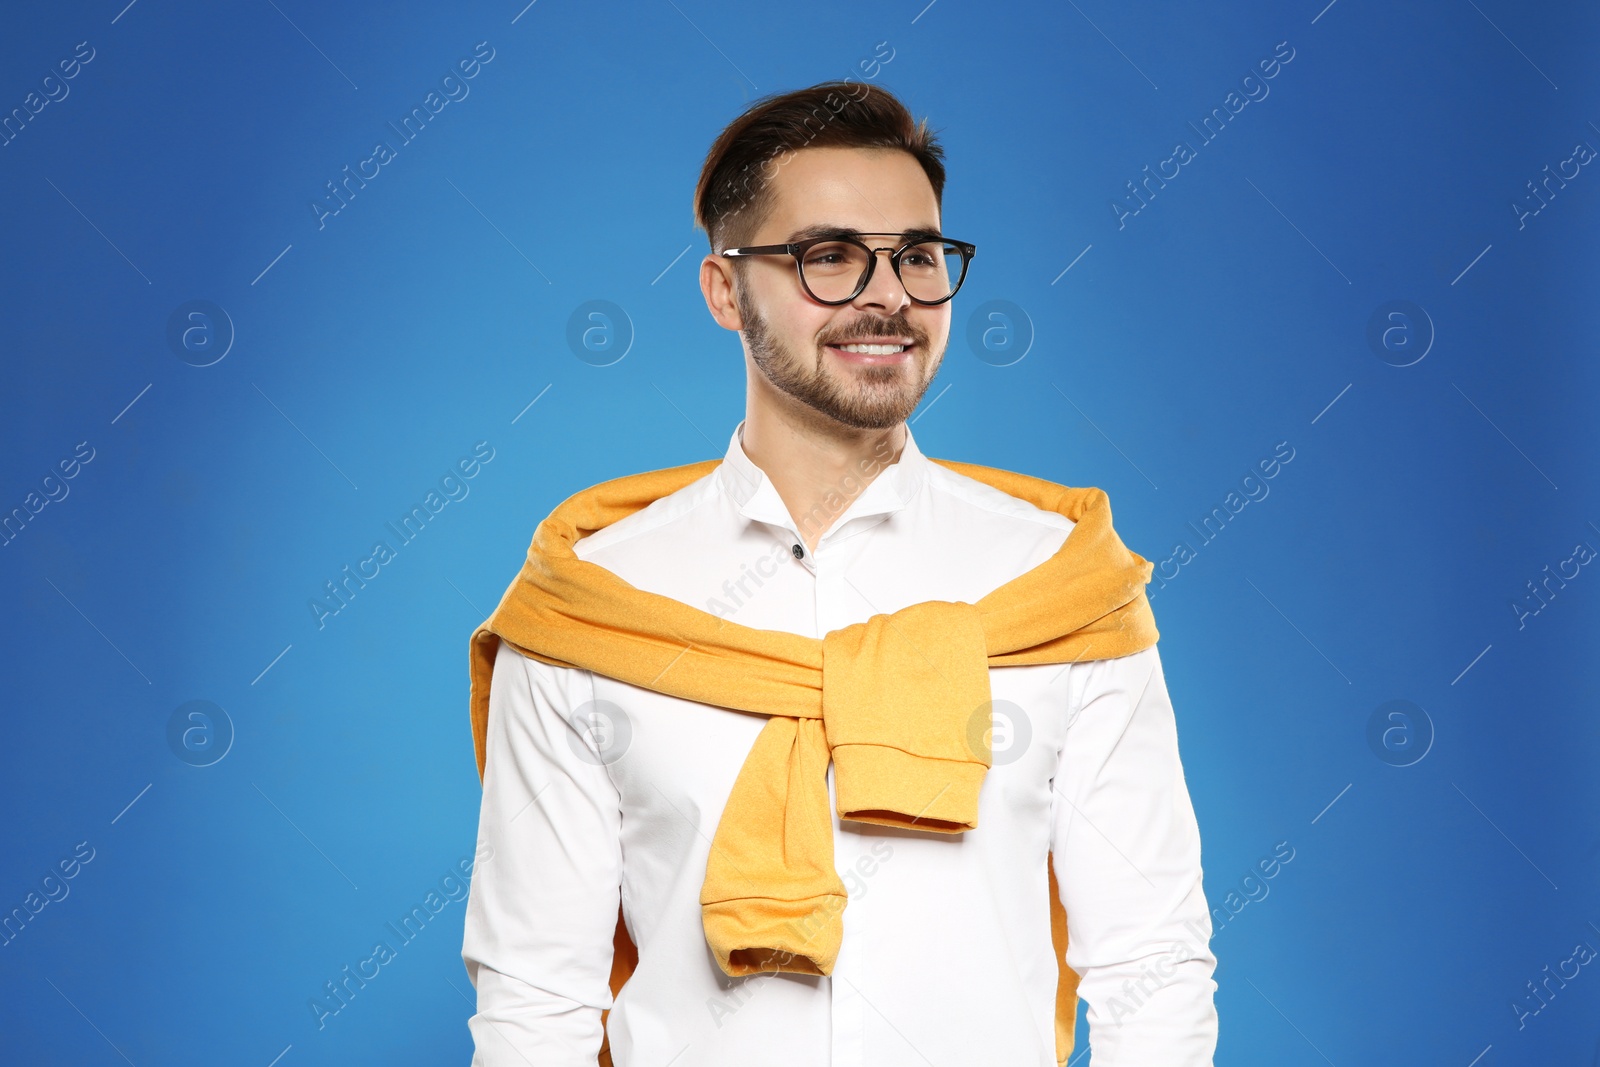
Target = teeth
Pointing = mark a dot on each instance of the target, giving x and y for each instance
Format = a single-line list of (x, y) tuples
[(872, 350)]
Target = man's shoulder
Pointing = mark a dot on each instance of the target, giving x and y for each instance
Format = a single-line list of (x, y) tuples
[(657, 517), (998, 506)]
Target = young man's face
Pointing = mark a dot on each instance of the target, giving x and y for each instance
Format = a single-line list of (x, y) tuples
[(793, 339)]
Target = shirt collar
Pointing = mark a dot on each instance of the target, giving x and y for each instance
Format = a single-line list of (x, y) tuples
[(757, 499)]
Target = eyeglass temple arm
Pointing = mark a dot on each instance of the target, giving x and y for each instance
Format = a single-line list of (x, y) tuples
[(760, 250)]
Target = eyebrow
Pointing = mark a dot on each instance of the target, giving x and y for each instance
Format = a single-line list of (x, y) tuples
[(824, 229)]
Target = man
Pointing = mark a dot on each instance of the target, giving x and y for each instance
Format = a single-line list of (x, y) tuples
[(823, 513)]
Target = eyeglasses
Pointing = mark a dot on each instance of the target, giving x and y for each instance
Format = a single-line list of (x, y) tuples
[(835, 269)]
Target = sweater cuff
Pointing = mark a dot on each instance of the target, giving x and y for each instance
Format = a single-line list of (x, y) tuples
[(751, 935), (892, 787)]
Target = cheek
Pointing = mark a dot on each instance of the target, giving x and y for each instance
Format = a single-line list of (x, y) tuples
[(806, 329), (795, 323), (806, 326)]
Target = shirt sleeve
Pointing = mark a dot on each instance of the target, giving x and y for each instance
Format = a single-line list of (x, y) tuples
[(1127, 860), (542, 907)]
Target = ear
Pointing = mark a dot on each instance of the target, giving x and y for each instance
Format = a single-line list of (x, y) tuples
[(716, 284)]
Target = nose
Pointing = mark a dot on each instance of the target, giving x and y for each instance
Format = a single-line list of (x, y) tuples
[(884, 289)]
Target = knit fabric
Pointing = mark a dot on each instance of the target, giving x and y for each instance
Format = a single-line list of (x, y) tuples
[(899, 703)]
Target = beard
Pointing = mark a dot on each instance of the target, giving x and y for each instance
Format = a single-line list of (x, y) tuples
[(864, 396)]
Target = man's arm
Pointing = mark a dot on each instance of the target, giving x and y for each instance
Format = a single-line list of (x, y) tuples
[(1127, 857), (543, 908)]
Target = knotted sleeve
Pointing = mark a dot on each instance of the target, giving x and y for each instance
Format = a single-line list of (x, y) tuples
[(772, 900), (907, 710)]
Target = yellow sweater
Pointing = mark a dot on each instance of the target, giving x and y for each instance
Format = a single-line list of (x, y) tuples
[(890, 701)]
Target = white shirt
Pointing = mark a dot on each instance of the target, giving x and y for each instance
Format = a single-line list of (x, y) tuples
[(946, 956)]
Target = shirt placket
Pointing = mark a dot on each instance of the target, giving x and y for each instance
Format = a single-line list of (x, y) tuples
[(846, 1010), (835, 601)]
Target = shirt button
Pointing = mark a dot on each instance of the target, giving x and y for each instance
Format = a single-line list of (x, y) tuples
[(799, 553)]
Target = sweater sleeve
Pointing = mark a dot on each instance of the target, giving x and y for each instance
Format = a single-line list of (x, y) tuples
[(1127, 859), (542, 908)]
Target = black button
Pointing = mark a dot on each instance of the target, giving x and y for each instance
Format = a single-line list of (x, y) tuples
[(799, 552)]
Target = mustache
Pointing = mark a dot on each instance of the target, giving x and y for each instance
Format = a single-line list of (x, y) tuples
[(879, 328)]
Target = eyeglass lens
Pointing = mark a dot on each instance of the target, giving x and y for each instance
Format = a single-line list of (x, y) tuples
[(833, 269)]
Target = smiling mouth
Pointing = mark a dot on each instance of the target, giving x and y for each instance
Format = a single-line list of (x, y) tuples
[(871, 352)]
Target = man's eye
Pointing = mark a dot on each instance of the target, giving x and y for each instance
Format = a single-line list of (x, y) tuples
[(827, 257)]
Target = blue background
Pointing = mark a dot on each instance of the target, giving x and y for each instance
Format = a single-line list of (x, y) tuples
[(372, 352)]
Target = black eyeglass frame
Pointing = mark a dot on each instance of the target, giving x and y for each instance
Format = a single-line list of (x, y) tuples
[(798, 249)]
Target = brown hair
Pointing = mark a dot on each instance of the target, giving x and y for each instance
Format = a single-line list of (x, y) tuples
[(734, 196)]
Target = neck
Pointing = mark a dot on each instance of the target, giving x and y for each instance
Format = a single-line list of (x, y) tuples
[(818, 469)]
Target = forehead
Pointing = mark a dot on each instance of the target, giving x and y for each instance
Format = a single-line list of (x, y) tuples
[(868, 189)]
